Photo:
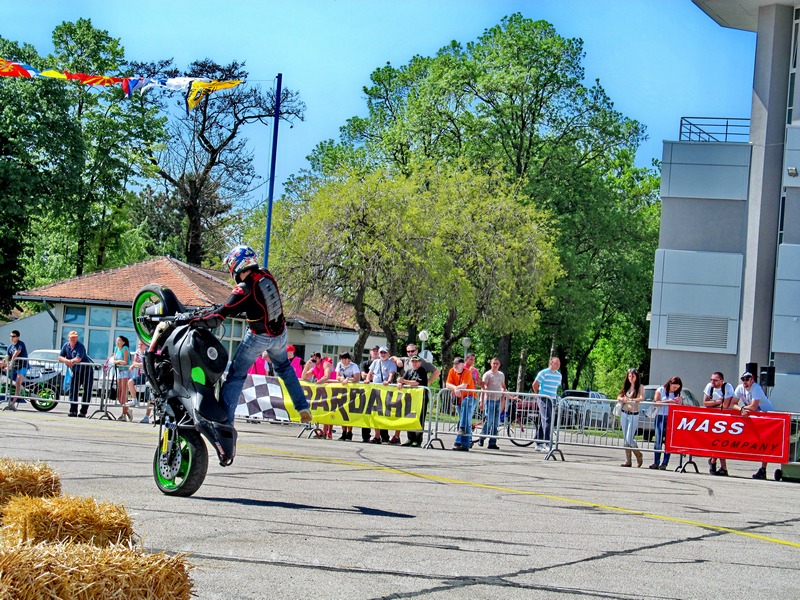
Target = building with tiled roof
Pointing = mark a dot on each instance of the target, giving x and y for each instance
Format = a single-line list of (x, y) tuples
[(98, 306)]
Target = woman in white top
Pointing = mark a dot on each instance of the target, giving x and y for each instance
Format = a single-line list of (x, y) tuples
[(631, 395), (667, 395)]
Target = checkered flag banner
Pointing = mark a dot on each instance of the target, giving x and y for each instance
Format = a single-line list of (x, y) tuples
[(263, 398)]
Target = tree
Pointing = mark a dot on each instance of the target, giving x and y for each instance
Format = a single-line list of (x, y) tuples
[(40, 152), (207, 164), (401, 249), (515, 98)]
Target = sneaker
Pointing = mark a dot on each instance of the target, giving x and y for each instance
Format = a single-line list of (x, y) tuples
[(541, 448), (408, 443), (395, 441), (480, 442), (130, 416), (712, 467), (145, 419), (760, 474), (305, 416), (72, 415), (376, 440), (653, 466), (460, 448), (493, 447), (415, 444), (10, 406), (721, 472), (663, 467)]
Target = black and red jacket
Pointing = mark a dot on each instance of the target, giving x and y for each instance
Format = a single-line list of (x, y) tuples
[(258, 297)]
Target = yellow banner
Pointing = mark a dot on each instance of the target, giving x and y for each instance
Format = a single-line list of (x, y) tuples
[(353, 405)]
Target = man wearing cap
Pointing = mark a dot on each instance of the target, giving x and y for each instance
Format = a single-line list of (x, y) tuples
[(365, 365), (753, 399), (17, 350), (462, 385), (718, 394), (416, 375), (73, 354), (295, 361), (382, 371)]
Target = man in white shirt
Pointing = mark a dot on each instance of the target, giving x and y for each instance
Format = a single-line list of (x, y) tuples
[(718, 394), (753, 399)]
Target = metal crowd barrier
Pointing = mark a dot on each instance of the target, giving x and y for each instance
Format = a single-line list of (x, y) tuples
[(520, 422), (48, 383)]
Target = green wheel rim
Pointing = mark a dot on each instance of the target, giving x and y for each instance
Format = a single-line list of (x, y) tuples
[(183, 470), (141, 301)]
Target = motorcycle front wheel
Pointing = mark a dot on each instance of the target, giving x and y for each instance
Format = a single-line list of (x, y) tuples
[(181, 470)]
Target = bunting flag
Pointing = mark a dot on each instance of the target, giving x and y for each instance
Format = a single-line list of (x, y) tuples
[(200, 89), (10, 69), (196, 88)]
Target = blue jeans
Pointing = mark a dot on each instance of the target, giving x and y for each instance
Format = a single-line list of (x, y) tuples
[(661, 430), (465, 412), (491, 419), (630, 424), (251, 348), (545, 404)]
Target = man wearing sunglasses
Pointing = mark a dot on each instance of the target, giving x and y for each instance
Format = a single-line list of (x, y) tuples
[(718, 394), (753, 399)]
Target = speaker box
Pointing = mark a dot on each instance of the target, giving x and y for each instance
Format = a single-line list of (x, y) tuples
[(752, 368), (766, 378)]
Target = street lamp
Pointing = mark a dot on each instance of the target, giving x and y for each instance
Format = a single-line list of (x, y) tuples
[(423, 336), (466, 342)]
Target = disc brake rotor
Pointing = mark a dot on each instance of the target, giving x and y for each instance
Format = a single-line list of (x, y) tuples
[(169, 463)]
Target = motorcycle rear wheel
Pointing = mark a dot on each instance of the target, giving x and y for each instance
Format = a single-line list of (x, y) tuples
[(147, 297), (183, 473), (45, 400)]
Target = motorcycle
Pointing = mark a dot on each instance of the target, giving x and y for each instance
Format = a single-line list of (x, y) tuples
[(182, 365)]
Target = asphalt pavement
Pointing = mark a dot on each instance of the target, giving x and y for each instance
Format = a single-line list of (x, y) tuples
[(296, 517)]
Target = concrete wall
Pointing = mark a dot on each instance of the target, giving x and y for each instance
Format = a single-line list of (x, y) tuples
[(36, 331)]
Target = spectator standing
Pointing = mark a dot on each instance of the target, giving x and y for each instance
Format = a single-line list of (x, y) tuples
[(319, 369), (752, 398), (667, 395), (138, 378), (347, 372), (374, 354), (462, 385), (382, 371), (295, 361), (546, 386), (16, 350), (718, 394), (494, 400), (414, 376), (121, 361), (73, 354), (262, 366), (432, 373), (631, 395)]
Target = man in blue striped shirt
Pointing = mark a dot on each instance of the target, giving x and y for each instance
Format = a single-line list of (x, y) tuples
[(546, 383)]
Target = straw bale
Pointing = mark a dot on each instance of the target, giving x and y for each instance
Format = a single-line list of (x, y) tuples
[(19, 478), (87, 572), (65, 519)]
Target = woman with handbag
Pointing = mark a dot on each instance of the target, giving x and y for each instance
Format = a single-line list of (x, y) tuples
[(631, 395)]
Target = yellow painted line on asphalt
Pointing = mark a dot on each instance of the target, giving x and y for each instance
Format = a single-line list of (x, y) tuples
[(508, 490)]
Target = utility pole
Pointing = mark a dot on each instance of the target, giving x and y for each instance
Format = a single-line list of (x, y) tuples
[(277, 119)]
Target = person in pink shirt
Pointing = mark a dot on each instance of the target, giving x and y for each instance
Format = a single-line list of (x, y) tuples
[(296, 361), (320, 370)]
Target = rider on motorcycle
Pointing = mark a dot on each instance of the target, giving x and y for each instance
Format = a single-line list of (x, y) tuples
[(256, 295)]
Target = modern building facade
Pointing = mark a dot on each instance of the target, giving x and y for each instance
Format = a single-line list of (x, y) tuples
[(726, 286)]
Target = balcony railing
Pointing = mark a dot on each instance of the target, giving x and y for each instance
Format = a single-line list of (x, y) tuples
[(714, 129)]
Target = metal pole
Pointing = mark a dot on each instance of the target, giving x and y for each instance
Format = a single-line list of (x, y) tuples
[(277, 119)]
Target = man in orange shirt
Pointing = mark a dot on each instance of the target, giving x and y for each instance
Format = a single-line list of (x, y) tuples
[(462, 385)]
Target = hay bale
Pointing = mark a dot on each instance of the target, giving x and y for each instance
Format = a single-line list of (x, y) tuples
[(19, 478), (88, 572), (65, 519)]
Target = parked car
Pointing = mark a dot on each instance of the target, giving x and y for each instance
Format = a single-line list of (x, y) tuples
[(593, 408), (646, 421)]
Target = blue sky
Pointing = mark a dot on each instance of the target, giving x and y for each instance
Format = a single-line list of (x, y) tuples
[(658, 60)]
